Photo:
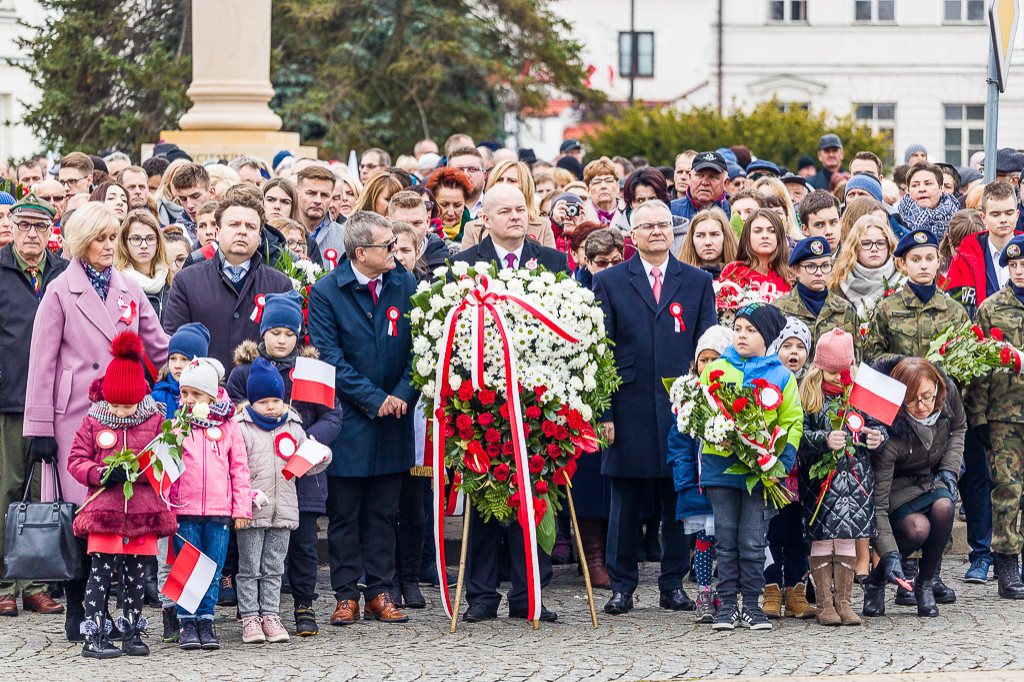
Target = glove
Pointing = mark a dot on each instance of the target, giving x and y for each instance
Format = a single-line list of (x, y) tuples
[(259, 498), (984, 436), (43, 449), (948, 479), (116, 476), (891, 564)]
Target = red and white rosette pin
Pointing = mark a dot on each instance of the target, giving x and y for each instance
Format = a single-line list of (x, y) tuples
[(128, 309), (332, 257), (676, 311), (215, 433), (285, 445), (393, 316), (257, 312), (106, 439), (855, 422), (768, 396)]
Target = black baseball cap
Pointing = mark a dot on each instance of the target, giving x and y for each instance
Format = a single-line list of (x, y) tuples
[(569, 145), (712, 160)]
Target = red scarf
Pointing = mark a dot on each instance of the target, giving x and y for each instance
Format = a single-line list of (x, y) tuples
[(831, 390)]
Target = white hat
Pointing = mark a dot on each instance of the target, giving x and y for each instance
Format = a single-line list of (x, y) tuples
[(202, 374), (716, 338)]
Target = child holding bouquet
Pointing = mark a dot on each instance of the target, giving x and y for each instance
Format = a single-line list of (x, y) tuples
[(741, 554), (692, 507), (121, 532), (836, 496)]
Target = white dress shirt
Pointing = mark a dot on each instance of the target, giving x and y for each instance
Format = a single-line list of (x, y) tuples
[(1002, 274), (649, 266), (502, 253)]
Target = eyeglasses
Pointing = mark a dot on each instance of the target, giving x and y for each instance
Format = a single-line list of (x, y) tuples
[(370, 166), (180, 260), (760, 174), (814, 268), (390, 246), (603, 180), (71, 181), (38, 227), (664, 226), (606, 262), (879, 245), (53, 198), (136, 240), (922, 400)]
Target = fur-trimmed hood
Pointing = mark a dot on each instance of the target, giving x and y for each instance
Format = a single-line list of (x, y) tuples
[(247, 352), (901, 428)]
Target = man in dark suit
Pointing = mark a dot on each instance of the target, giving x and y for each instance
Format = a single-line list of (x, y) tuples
[(505, 217), (655, 310), (348, 323)]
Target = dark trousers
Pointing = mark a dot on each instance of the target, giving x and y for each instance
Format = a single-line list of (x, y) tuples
[(976, 494), (741, 521), (624, 535), (412, 524), (303, 559), (361, 533), (789, 551), (482, 564)]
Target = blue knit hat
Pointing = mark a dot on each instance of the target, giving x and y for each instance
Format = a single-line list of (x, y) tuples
[(6, 199), (282, 310), (867, 182), (812, 247), (191, 340), (913, 240), (264, 381), (913, 149)]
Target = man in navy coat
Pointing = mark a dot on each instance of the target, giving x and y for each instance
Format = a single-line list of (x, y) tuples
[(348, 323), (655, 310), (505, 216)]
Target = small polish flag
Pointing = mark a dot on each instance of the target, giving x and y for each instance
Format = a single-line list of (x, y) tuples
[(308, 456), (163, 481), (313, 382), (190, 578), (877, 394)]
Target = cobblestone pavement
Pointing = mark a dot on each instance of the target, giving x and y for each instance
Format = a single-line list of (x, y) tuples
[(979, 632)]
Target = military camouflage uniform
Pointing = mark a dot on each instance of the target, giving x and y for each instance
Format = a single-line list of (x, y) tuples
[(903, 325), (836, 311), (998, 400)]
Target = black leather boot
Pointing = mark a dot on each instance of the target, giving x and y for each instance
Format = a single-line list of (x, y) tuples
[(906, 597), (874, 595), (134, 626), (924, 594), (97, 644), (1010, 585), (944, 594), (152, 590)]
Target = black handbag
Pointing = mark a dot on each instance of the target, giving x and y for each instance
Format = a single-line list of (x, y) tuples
[(39, 541)]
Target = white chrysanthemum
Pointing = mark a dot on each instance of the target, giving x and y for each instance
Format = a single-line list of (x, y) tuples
[(460, 268)]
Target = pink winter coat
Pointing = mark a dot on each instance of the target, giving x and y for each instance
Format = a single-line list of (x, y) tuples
[(71, 347), (147, 514), (216, 477)]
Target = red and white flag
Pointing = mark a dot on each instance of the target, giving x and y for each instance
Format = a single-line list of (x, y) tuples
[(877, 394), (190, 577), (308, 456), (313, 382), (163, 481)]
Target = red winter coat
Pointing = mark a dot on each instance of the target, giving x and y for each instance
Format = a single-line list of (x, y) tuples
[(146, 513), (966, 278)]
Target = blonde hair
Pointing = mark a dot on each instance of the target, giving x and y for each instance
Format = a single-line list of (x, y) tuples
[(855, 210), (384, 181), (221, 178), (406, 163), (811, 396), (562, 177), (577, 188), (767, 185), (526, 184), (86, 225), (123, 258), (850, 247), (165, 192), (730, 245)]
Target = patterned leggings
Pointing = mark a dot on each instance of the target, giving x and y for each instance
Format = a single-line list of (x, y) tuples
[(131, 571), (702, 558)]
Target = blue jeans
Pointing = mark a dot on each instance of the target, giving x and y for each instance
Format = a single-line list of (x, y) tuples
[(212, 540), (976, 494), (741, 522)]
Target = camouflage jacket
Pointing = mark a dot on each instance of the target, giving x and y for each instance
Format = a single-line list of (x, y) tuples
[(903, 325), (835, 312), (999, 396)]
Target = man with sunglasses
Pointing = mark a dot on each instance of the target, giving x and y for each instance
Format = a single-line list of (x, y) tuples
[(762, 168), (26, 270), (811, 301)]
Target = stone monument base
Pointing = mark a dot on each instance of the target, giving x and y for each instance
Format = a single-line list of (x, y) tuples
[(203, 145)]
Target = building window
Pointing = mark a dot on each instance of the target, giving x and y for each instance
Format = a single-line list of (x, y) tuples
[(786, 107), (642, 55), (874, 11), (881, 120), (964, 11), (782, 11), (964, 132)]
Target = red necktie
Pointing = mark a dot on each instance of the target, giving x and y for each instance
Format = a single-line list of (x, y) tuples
[(373, 284)]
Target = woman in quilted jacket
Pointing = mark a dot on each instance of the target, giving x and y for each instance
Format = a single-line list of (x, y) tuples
[(847, 511)]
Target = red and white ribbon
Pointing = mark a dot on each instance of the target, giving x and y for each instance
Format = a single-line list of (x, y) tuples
[(676, 311), (766, 458), (128, 309), (332, 257), (393, 316), (483, 302), (257, 312)]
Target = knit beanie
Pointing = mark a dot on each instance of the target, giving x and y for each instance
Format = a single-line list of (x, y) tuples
[(6, 199), (282, 310), (264, 381), (191, 340), (913, 149), (794, 329), (767, 319), (202, 374), (866, 182), (834, 351), (716, 338), (124, 382)]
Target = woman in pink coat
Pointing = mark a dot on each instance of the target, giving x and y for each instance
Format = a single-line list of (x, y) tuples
[(80, 314)]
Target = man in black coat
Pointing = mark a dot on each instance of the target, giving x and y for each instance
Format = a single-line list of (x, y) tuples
[(656, 309), (26, 270), (504, 214)]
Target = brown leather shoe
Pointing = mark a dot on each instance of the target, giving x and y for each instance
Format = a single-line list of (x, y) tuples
[(346, 613), (8, 605), (41, 602), (382, 608)]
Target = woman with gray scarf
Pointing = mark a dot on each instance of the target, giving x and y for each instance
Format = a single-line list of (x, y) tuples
[(865, 270)]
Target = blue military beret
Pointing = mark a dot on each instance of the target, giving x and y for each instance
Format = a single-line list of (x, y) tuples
[(914, 239), (1013, 251), (812, 247)]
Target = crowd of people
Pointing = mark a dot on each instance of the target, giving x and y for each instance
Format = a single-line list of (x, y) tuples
[(133, 290)]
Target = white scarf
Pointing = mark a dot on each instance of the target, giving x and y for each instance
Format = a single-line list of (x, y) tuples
[(864, 281), (151, 285)]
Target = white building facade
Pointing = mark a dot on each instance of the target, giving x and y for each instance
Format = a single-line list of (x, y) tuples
[(16, 140)]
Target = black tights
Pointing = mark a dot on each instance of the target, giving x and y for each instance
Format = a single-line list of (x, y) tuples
[(929, 532), (131, 570)]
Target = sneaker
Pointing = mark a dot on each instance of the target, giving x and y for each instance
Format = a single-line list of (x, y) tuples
[(755, 619), (252, 630), (727, 617), (273, 628), (207, 635), (171, 624), (305, 622), (978, 572), (561, 552), (188, 636), (705, 609), (227, 596)]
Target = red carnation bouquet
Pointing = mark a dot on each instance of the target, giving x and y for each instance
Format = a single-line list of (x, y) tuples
[(964, 353)]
